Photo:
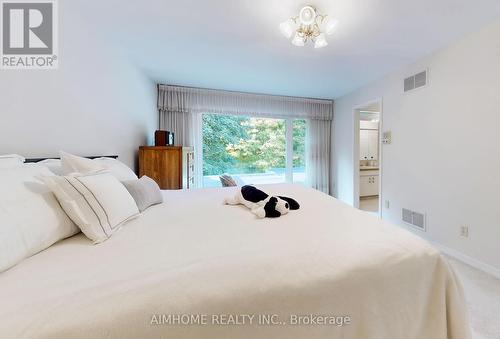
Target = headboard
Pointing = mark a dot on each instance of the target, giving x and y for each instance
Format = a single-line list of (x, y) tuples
[(91, 157)]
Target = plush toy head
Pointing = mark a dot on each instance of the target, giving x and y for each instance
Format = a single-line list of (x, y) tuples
[(282, 206), (292, 204), (277, 206)]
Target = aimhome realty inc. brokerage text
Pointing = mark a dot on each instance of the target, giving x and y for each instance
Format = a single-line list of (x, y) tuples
[(249, 319)]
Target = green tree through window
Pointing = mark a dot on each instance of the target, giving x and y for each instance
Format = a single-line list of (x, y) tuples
[(219, 131), (299, 143), (236, 144), (264, 147)]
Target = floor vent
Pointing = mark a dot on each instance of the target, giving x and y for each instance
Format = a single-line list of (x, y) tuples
[(415, 81), (414, 218)]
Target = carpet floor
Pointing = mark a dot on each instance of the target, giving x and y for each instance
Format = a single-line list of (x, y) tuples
[(482, 292)]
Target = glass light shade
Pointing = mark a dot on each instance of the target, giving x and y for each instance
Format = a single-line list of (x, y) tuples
[(287, 28), (298, 40), (330, 25), (307, 15), (320, 41)]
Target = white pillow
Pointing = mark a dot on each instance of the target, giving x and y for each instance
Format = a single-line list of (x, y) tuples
[(121, 171), (11, 160), (54, 165), (145, 192), (97, 202), (74, 164), (30, 216)]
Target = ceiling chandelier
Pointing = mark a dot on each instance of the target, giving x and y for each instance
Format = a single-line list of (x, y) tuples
[(309, 25)]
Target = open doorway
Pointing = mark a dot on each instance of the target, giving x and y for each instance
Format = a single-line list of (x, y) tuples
[(367, 159)]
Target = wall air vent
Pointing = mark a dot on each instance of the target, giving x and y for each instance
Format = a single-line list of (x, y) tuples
[(415, 81), (414, 218)]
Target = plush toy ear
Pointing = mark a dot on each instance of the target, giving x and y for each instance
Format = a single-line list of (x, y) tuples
[(293, 204), (270, 208)]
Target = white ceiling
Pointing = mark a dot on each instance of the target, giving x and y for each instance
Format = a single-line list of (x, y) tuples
[(236, 45)]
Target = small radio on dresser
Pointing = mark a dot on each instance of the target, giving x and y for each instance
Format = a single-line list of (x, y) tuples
[(164, 138)]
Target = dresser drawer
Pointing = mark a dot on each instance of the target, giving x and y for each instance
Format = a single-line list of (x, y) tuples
[(368, 173)]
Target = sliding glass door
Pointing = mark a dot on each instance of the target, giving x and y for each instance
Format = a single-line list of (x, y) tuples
[(252, 150)]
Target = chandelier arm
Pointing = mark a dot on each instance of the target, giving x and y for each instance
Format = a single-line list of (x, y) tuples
[(317, 31), (321, 17), (310, 31)]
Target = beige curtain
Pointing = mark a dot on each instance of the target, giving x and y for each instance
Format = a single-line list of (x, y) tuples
[(188, 99), (318, 145), (181, 108), (181, 124)]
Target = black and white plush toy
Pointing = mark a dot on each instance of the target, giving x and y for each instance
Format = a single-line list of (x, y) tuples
[(261, 204)]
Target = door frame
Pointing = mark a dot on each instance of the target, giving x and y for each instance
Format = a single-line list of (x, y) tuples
[(356, 147)]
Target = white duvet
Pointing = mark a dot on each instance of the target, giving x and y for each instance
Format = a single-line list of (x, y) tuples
[(195, 257)]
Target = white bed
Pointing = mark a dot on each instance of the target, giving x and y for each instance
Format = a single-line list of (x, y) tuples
[(193, 255)]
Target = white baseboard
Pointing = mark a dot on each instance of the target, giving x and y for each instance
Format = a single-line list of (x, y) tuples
[(469, 260)]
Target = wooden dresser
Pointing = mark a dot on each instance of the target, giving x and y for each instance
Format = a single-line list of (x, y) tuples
[(172, 167)]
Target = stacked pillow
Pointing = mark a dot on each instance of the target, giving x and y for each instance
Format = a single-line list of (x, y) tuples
[(31, 218), (145, 192), (11, 160), (70, 163), (97, 202), (117, 168), (54, 165), (74, 164), (90, 192)]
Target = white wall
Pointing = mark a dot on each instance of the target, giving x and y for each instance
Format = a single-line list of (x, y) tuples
[(445, 153), (94, 104)]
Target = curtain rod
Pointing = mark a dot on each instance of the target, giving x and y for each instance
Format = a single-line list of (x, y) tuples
[(251, 93)]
